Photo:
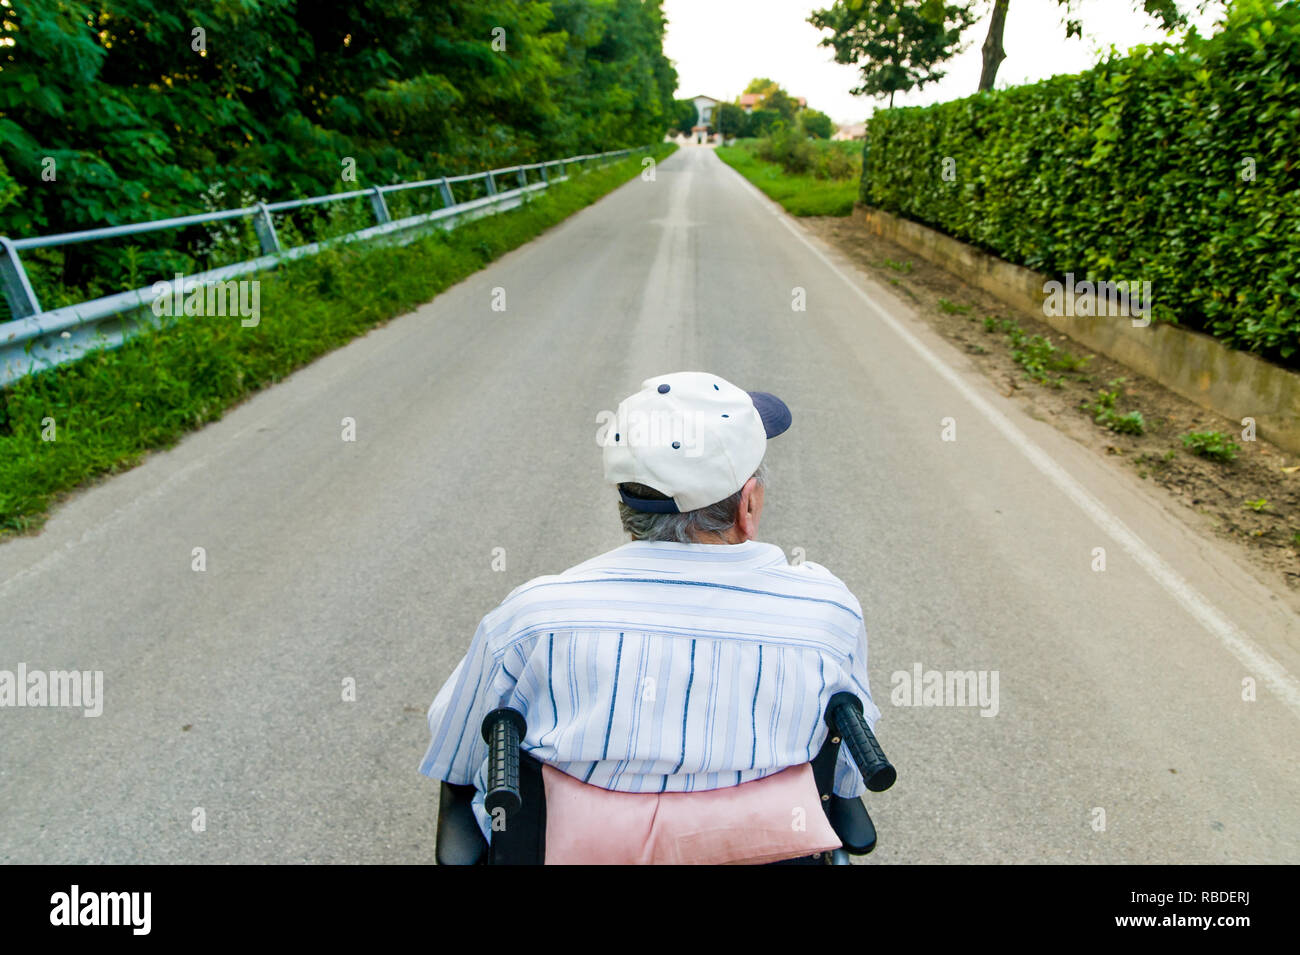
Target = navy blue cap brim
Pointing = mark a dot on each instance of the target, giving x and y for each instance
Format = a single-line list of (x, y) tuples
[(774, 412), (648, 506)]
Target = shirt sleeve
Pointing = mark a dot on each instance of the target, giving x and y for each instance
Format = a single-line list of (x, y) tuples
[(478, 685), (848, 781)]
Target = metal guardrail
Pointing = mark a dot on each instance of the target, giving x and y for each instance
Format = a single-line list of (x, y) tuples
[(34, 339)]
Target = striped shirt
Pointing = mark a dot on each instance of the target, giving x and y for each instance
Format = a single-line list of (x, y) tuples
[(661, 667)]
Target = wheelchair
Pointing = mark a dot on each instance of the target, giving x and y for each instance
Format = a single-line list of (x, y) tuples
[(514, 786)]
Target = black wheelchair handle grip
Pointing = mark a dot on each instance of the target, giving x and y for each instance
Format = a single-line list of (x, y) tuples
[(846, 721), (502, 730)]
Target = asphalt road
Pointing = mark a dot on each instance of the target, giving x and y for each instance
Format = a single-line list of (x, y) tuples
[(1119, 690)]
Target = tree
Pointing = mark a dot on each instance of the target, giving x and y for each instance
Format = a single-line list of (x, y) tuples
[(781, 102), (816, 123), (684, 115), (1166, 11), (729, 120), (992, 50), (143, 118), (761, 121), (772, 96), (897, 44)]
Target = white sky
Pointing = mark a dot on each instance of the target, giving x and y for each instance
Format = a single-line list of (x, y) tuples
[(718, 46)]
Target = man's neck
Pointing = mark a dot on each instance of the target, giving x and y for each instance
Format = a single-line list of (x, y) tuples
[(731, 536)]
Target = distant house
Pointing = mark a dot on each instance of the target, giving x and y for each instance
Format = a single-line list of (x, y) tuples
[(704, 107), (851, 131), (749, 101)]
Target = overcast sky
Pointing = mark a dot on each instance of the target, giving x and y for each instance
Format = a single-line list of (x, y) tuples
[(718, 46)]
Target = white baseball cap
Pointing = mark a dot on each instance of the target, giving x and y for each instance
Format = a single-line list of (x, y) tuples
[(693, 437)]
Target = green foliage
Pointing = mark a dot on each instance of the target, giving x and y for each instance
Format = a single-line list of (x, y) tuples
[(9, 190), (1036, 355), (798, 155), (684, 116), (1258, 506), (113, 406), (730, 120), (1211, 444), (1174, 165), (760, 122), (800, 195), (1104, 413), (815, 123), (897, 44), (781, 103), (952, 308), (140, 124), (789, 149), (1131, 423), (1105, 400)]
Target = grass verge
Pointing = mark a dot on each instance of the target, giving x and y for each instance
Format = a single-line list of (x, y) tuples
[(798, 195), (102, 413)]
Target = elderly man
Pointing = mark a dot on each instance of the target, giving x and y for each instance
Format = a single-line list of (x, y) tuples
[(692, 658)]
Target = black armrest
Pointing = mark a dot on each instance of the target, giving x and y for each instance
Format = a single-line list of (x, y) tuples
[(852, 824), (460, 841)]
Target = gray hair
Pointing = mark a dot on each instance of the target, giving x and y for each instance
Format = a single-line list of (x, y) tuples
[(681, 528)]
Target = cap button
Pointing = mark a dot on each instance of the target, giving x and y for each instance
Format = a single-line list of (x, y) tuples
[(663, 389)]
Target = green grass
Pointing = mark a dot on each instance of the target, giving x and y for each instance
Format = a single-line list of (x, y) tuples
[(798, 195), (111, 407)]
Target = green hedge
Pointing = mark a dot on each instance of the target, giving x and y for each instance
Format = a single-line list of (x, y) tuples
[(1133, 170)]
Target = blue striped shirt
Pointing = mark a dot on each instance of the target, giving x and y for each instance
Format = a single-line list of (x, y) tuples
[(661, 667)]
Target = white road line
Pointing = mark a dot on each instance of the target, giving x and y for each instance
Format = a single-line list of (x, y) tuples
[(1271, 673)]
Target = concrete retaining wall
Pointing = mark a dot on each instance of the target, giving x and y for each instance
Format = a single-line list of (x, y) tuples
[(1232, 383)]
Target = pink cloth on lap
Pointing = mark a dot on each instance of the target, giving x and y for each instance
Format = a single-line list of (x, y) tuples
[(752, 823)]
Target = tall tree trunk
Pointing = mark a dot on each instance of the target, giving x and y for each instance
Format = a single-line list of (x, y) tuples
[(993, 52)]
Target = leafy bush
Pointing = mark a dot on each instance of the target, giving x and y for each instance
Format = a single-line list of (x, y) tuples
[(1211, 444), (790, 149), (816, 123), (798, 155), (839, 163), (1174, 165)]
